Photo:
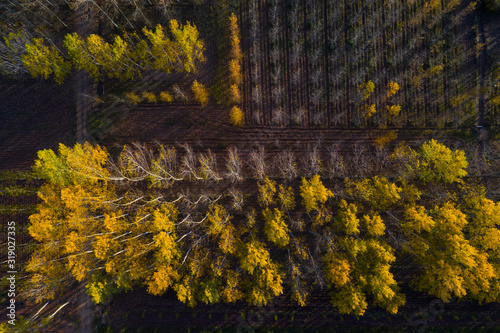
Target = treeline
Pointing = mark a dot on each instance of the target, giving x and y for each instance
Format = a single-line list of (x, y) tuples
[(119, 224), (126, 57)]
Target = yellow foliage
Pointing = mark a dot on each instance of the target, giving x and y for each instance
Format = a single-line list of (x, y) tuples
[(313, 193), (200, 93), (149, 96), (374, 224), (235, 94), (346, 219), (267, 190), (42, 60), (377, 191), (286, 198), (166, 97), (255, 255), (394, 110), (369, 110), (392, 89), (384, 140), (161, 280), (438, 162), (235, 72), (367, 89), (337, 269), (237, 116), (275, 228), (133, 98)]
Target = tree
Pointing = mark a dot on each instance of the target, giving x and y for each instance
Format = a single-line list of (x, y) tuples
[(367, 89), (200, 93), (392, 89), (377, 191), (42, 60), (190, 47), (439, 163), (275, 228), (452, 265), (265, 279), (314, 193), (236, 116)]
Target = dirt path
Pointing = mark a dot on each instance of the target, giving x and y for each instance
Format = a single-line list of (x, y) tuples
[(85, 310), (81, 82), (81, 85)]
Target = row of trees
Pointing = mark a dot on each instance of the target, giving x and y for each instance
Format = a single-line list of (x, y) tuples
[(127, 57), (235, 73), (97, 221)]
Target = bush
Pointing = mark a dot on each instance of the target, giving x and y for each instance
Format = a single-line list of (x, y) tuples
[(133, 98), (384, 140), (150, 97), (369, 110), (394, 110), (166, 97), (200, 93), (237, 117)]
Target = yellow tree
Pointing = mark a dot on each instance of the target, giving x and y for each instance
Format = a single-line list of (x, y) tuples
[(189, 46), (378, 192), (44, 61), (314, 193), (356, 267), (200, 93), (451, 264)]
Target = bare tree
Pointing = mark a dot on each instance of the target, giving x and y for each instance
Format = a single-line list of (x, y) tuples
[(382, 158), (237, 199), (257, 163), (285, 165), (335, 166), (178, 93), (311, 163), (298, 116), (208, 166), (360, 161), (234, 165), (279, 116), (188, 167)]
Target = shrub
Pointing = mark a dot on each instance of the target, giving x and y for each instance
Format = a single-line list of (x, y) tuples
[(393, 109), (200, 93), (384, 140), (392, 89), (133, 98), (237, 117), (166, 97), (369, 110), (367, 89), (150, 97)]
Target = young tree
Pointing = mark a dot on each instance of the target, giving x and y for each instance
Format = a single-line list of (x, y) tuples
[(200, 93)]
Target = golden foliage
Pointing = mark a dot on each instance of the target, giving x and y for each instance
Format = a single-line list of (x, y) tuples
[(313, 193), (369, 110), (166, 97), (200, 93), (236, 116), (392, 89)]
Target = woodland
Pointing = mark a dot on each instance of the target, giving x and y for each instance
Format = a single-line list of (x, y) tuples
[(257, 165)]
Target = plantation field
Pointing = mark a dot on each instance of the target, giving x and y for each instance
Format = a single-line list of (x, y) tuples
[(306, 61)]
